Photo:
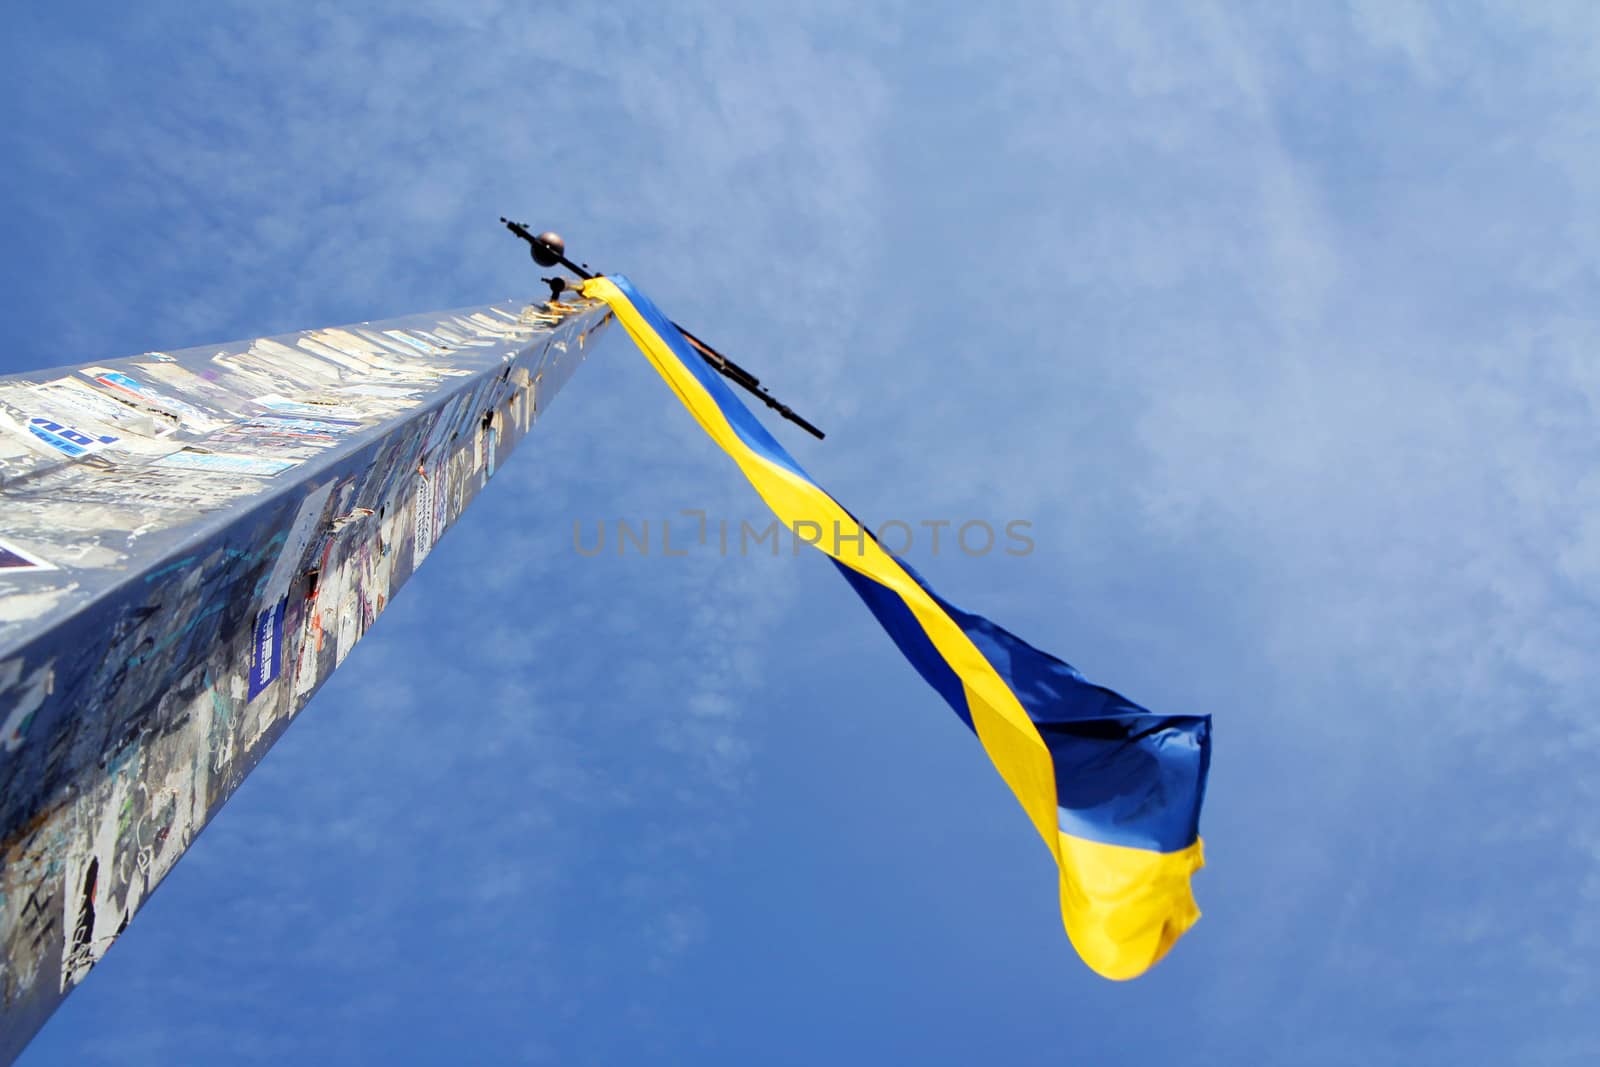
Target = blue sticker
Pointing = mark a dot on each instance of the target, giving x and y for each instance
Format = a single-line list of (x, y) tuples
[(296, 426), (266, 651), (117, 380), (65, 438)]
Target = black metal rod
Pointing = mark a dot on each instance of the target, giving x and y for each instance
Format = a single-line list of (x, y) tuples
[(540, 246), (719, 362), (747, 381)]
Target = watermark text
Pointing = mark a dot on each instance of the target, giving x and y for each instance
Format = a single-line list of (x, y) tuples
[(693, 530)]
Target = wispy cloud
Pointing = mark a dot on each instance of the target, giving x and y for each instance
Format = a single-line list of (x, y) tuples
[(1279, 327)]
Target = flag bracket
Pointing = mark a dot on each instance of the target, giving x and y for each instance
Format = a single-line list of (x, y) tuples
[(549, 250)]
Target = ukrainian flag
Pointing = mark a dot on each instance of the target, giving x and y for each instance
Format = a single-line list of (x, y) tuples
[(1113, 788)]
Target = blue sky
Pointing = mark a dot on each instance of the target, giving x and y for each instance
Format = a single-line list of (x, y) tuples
[(1279, 327)]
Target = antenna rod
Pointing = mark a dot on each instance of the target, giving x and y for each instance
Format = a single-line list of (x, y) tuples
[(549, 250)]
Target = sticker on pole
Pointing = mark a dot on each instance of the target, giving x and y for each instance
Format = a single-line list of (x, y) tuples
[(65, 439), (13, 559), (266, 650), (422, 532), (224, 463)]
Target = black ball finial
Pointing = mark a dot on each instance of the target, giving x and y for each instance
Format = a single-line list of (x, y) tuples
[(548, 249)]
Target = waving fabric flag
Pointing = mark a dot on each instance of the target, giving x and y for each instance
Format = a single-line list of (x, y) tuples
[(1114, 789)]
